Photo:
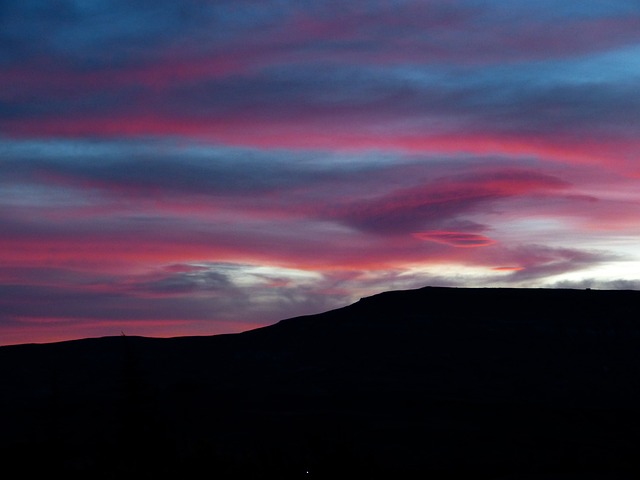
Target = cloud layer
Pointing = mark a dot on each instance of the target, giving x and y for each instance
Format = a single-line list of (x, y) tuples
[(173, 168)]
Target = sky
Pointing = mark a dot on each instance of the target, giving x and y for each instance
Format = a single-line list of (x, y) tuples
[(198, 167)]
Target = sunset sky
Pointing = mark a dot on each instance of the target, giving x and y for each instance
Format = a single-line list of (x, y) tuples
[(192, 167)]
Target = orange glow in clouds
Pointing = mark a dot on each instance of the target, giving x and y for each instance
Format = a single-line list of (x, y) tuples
[(455, 239)]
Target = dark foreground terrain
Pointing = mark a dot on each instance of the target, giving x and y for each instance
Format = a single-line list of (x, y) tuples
[(433, 383)]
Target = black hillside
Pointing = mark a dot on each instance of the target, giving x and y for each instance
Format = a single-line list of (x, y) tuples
[(434, 383)]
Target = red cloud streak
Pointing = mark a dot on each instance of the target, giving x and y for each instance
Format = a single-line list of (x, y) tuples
[(245, 132), (456, 239)]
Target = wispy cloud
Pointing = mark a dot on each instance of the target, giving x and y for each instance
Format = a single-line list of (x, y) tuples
[(201, 166)]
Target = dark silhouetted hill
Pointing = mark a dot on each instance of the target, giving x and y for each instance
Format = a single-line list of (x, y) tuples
[(434, 383)]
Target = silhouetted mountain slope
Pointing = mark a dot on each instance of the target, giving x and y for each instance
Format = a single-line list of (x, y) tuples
[(436, 382)]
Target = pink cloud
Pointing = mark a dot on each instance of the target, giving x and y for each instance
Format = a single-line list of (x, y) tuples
[(302, 134), (455, 239), (382, 139)]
